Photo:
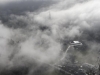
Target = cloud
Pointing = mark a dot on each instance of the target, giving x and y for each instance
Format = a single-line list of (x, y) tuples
[(77, 16), (37, 36), (5, 35), (69, 22), (56, 25)]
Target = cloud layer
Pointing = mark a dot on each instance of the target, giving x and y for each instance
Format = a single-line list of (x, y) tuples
[(40, 35)]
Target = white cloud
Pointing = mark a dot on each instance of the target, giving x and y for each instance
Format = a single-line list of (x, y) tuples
[(62, 21), (5, 35)]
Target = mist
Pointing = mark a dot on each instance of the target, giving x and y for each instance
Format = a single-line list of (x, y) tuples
[(34, 34)]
